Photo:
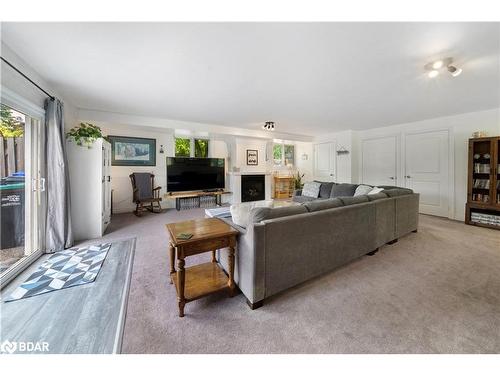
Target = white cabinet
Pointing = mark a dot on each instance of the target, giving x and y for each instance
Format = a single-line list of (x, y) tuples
[(90, 184), (419, 161)]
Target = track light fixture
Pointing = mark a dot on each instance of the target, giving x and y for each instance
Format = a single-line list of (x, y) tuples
[(435, 67), (269, 125)]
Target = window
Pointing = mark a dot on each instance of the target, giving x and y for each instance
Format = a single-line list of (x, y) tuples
[(201, 148), (289, 154), (283, 154), (189, 147), (20, 172), (183, 147), (278, 154)]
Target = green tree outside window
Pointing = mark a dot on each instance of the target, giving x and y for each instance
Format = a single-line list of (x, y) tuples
[(201, 148), (182, 147)]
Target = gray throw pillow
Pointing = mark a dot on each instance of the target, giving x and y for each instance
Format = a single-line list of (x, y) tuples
[(311, 189), (325, 189), (343, 190)]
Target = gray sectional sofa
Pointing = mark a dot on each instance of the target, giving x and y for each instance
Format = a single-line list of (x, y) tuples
[(285, 246)]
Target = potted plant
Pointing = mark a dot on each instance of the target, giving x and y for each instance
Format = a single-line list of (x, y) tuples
[(297, 180), (85, 134)]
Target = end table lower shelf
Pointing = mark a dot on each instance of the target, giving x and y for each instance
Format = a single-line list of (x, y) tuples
[(202, 280)]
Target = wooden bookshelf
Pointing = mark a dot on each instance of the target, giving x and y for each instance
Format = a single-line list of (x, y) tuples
[(483, 191)]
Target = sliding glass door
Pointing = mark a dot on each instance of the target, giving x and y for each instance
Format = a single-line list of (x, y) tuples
[(21, 190)]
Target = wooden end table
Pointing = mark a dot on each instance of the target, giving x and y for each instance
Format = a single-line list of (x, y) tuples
[(209, 234)]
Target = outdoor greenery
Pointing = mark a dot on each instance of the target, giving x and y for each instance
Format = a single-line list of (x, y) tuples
[(277, 153), (283, 154), (85, 134), (10, 126), (201, 148), (182, 147)]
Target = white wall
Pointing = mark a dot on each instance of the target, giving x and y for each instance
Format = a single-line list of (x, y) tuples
[(461, 128), (120, 181), (13, 81)]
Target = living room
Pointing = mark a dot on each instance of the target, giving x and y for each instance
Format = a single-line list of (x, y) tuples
[(245, 188)]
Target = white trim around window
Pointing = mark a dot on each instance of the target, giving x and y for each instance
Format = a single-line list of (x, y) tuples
[(20, 104)]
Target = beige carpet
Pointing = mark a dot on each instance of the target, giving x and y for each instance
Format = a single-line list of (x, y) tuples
[(437, 291)]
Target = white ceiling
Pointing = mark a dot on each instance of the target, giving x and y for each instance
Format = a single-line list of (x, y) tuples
[(308, 78)]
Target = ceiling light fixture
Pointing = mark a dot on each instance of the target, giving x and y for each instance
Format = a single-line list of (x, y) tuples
[(438, 64), (455, 72), (435, 67), (269, 125), (433, 73)]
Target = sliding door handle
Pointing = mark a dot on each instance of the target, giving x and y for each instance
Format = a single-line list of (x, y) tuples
[(392, 178), (408, 176)]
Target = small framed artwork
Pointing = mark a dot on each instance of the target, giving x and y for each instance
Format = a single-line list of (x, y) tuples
[(132, 151), (252, 157)]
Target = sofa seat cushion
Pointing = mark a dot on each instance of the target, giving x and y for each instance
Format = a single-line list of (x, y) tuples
[(323, 204), (241, 211), (343, 190), (362, 190), (374, 197), (302, 199), (354, 200), (259, 214), (311, 189)]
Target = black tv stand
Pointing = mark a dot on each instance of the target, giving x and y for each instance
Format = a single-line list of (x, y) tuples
[(212, 190), (193, 199)]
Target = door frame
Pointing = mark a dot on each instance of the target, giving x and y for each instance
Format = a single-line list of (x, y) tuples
[(20, 104), (451, 161), (333, 142)]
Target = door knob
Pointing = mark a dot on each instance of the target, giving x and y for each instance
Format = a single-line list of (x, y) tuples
[(392, 178), (408, 176)]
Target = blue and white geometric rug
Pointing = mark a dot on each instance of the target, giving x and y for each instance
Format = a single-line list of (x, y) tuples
[(64, 269)]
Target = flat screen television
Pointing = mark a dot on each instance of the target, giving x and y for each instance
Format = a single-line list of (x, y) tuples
[(187, 174)]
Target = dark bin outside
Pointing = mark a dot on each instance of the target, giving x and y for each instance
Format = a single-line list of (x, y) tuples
[(12, 214)]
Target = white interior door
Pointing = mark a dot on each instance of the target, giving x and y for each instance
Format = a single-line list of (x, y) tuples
[(106, 186), (379, 161), (427, 171), (324, 161)]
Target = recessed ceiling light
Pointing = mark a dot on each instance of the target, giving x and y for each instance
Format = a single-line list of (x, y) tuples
[(455, 72), (438, 64), (433, 73)]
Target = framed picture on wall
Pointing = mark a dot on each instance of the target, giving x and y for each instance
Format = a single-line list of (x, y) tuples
[(252, 157), (132, 151)]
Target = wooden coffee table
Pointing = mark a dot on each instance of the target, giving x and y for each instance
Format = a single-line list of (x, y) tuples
[(194, 282)]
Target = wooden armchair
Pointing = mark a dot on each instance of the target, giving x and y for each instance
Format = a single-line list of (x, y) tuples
[(145, 195)]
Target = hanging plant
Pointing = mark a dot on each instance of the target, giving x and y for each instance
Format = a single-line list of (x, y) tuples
[(85, 134)]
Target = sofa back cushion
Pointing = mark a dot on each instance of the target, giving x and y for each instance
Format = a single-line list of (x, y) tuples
[(323, 204), (325, 189), (343, 190), (374, 197), (354, 200), (240, 212), (259, 214), (397, 192), (311, 189)]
